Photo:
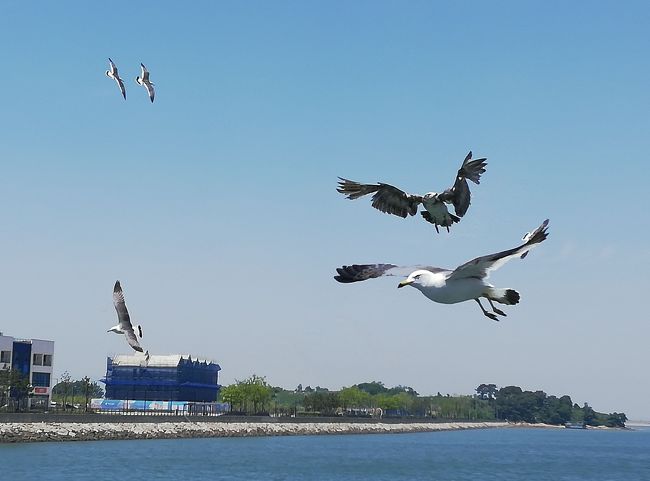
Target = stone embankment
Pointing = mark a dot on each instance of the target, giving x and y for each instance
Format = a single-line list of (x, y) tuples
[(47, 431)]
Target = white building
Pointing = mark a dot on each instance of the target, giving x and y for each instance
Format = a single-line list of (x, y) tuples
[(33, 358)]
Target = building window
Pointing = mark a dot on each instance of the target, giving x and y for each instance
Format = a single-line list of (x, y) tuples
[(37, 359), (41, 379), (5, 356), (47, 359)]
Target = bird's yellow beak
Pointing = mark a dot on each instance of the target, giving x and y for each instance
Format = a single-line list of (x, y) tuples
[(404, 283)]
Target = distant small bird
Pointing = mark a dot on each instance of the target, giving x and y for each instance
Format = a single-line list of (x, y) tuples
[(145, 82), (112, 73), (446, 286), (391, 200), (124, 325)]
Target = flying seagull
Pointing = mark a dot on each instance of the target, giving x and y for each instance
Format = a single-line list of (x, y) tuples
[(112, 73), (124, 325), (446, 286), (145, 82), (391, 200)]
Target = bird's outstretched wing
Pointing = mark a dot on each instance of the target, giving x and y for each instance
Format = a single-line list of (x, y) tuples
[(113, 66), (362, 272), (120, 306), (459, 194), (386, 198), (133, 340), (482, 266), (124, 318), (149, 86), (145, 73), (146, 83), (120, 84)]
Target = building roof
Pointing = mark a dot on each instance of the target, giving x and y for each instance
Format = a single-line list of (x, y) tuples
[(170, 360)]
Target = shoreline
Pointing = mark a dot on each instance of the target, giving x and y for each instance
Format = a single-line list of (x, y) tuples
[(58, 432)]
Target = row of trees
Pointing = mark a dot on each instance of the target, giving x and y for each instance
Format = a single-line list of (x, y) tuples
[(251, 396), (359, 400), (15, 389), (255, 396), (70, 394), (515, 404)]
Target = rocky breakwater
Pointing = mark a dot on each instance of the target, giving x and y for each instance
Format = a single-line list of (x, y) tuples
[(38, 432)]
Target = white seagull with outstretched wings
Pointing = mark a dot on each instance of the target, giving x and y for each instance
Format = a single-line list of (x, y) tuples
[(446, 286), (124, 325), (391, 200), (112, 73), (145, 82)]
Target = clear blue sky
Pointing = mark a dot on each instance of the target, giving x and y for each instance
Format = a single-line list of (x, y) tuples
[(216, 206)]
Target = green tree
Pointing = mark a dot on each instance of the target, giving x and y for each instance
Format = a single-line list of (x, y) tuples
[(75, 392), (5, 384), (616, 420), (589, 415), (486, 391), (233, 395), (387, 402), (20, 389), (353, 397), (260, 393), (66, 381), (86, 390), (322, 402), (402, 389), (373, 388), (250, 396)]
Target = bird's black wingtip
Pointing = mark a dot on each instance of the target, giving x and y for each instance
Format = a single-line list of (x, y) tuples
[(540, 234), (117, 287)]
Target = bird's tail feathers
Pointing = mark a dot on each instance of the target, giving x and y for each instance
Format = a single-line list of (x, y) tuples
[(509, 297)]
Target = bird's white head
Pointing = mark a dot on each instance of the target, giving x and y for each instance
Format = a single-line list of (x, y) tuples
[(108, 73), (416, 279), (116, 329), (430, 196)]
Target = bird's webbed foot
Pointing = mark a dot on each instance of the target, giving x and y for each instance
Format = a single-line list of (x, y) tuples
[(496, 310), (486, 313)]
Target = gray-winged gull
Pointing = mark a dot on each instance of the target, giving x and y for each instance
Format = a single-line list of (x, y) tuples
[(112, 73), (124, 326), (145, 82), (391, 200), (446, 286)]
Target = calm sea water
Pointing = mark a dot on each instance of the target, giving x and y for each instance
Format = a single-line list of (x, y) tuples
[(491, 454)]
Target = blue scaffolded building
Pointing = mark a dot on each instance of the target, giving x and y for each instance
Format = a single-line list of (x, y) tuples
[(175, 377)]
